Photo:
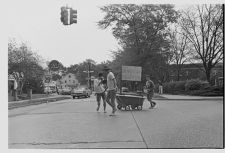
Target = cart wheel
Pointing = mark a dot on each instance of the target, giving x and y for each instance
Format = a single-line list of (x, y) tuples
[(119, 107), (127, 108), (133, 107), (139, 107)]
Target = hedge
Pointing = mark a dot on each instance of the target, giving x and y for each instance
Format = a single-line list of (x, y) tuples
[(195, 84), (185, 86), (170, 87)]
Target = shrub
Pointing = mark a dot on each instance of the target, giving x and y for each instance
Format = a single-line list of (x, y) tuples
[(179, 85), (168, 87), (195, 84), (171, 87)]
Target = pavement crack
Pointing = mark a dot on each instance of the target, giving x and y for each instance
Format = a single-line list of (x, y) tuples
[(139, 130)]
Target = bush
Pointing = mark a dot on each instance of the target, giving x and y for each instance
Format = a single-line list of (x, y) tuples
[(210, 91), (196, 84), (179, 85), (171, 87)]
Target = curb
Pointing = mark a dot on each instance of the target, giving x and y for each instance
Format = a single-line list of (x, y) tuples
[(201, 99), (17, 104)]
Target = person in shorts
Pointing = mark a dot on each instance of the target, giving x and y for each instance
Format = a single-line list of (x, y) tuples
[(100, 91), (150, 91), (111, 89)]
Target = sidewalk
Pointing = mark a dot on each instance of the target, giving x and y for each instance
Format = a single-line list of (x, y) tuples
[(187, 97), (50, 98)]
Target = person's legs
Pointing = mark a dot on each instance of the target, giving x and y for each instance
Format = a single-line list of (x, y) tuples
[(108, 98), (98, 98), (160, 90), (104, 102), (113, 97), (149, 97)]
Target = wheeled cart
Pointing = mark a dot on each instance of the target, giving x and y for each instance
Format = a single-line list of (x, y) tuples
[(128, 102)]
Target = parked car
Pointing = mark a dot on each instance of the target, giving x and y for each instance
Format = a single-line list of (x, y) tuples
[(65, 91), (48, 90), (125, 89), (81, 92)]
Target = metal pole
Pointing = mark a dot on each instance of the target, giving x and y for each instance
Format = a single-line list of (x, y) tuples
[(89, 69)]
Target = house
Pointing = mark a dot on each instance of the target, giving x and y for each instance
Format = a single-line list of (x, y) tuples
[(68, 81)]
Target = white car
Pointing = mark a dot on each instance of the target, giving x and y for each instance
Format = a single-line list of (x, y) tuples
[(81, 92)]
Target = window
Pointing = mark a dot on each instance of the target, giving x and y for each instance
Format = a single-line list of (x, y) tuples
[(69, 76), (65, 81)]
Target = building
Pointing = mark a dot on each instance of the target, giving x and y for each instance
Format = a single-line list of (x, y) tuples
[(196, 71), (68, 81)]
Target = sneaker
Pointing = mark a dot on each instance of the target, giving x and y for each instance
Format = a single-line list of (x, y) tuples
[(112, 114), (153, 105), (97, 108), (114, 111)]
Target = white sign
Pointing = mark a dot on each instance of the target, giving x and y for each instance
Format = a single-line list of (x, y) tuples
[(131, 73)]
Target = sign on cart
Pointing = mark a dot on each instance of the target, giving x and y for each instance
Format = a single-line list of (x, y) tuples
[(131, 73)]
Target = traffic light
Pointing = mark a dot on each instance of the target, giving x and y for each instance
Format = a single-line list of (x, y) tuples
[(73, 16), (64, 16)]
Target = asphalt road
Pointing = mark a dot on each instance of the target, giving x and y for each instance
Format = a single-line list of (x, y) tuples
[(76, 124)]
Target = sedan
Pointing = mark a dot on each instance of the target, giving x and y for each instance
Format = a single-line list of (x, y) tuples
[(80, 92), (65, 91)]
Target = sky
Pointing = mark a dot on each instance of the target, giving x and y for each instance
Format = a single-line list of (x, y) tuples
[(37, 23)]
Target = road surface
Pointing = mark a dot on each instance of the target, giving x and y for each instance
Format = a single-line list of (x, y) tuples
[(75, 123)]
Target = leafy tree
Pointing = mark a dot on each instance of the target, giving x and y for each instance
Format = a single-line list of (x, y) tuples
[(141, 32), (203, 25), (56, 77), (22, 59), (73, 69), (83, 68)]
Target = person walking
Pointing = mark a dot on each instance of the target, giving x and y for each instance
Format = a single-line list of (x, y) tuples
[(150, 91), (100, 91), (111, 89), (160, 88)]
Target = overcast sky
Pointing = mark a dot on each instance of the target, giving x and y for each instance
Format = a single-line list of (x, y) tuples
[(37, 22)]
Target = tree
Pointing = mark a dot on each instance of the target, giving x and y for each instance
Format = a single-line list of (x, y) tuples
[(81, 68), (73, 69), (22, 59), (141, 32), (56, 77), (203, 25), (179, 50)]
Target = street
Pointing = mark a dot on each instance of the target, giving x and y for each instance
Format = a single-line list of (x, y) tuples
[(74, 123)]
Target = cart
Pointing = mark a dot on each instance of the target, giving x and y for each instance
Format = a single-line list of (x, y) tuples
[(128, 101)]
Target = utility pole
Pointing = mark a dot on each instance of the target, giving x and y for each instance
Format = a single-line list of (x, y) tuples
[(89, 74)]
